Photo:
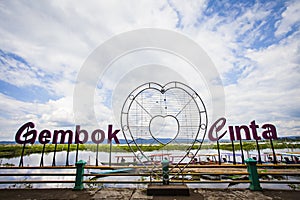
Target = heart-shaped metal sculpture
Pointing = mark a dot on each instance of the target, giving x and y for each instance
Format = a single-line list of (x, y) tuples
[(171, 114)]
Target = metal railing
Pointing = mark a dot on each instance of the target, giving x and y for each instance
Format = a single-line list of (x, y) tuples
[(79, 179)]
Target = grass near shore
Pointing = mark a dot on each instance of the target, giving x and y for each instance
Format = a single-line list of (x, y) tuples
[(15, 150)]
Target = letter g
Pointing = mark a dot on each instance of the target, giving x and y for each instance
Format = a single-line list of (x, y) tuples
[(28, 133)]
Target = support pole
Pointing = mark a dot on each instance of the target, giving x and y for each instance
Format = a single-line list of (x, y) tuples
[(219, 154), (54, 155), (97, 154), (21, 163), (165, 169), (218, 146), (273, 150), (97, 150), (110, 149), (67, 158), (77, 148), (42, 157), (258, 151), (243, 158), (79, 175), (253, 175), (233, 152)]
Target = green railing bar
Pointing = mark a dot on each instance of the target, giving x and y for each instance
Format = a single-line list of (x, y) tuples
[(121, 182), (239, 166), (143, 182), (198, 173), (149, 174), (171, 181)]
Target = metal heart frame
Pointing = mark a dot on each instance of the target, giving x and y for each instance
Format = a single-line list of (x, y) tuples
[(129, 133)]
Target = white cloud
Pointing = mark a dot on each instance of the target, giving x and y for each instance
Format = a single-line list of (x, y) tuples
[(57, 36), (290, 17), (225, 40), (270, 93), (188, 12), (18, 73), (51, 115)]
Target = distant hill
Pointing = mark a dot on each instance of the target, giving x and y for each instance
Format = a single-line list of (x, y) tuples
[(7, 142), (166, 140), (285, 138), (153, 141)]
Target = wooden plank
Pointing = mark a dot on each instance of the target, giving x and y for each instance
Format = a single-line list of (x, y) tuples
[(38, 167), (37, 174), (35, 181)]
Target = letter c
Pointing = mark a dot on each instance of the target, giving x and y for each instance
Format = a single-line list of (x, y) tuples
[(217, 128)]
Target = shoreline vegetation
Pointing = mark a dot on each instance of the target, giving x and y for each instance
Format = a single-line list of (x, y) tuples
[(15, 150)]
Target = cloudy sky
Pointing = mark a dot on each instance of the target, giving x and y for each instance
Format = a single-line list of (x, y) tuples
[(255, 46)]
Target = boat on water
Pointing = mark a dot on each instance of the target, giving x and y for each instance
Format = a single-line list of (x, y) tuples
[(152, 159), (284, 158), (155, 159), (229, 158), (290, 157), (204, 159), (104, 173)]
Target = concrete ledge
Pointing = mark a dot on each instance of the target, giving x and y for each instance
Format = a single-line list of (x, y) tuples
[(168, 190)]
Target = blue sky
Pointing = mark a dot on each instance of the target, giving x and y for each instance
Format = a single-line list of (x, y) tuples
[(255, 46)]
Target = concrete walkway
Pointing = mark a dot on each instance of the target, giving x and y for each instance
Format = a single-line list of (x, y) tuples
[(140, 194)]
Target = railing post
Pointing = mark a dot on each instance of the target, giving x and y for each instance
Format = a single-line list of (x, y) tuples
[(165, 169), (253, 175), (79, 175)]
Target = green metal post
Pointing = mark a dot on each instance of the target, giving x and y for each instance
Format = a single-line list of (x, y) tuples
[(165, 168), (79, 174), (253, 175)]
